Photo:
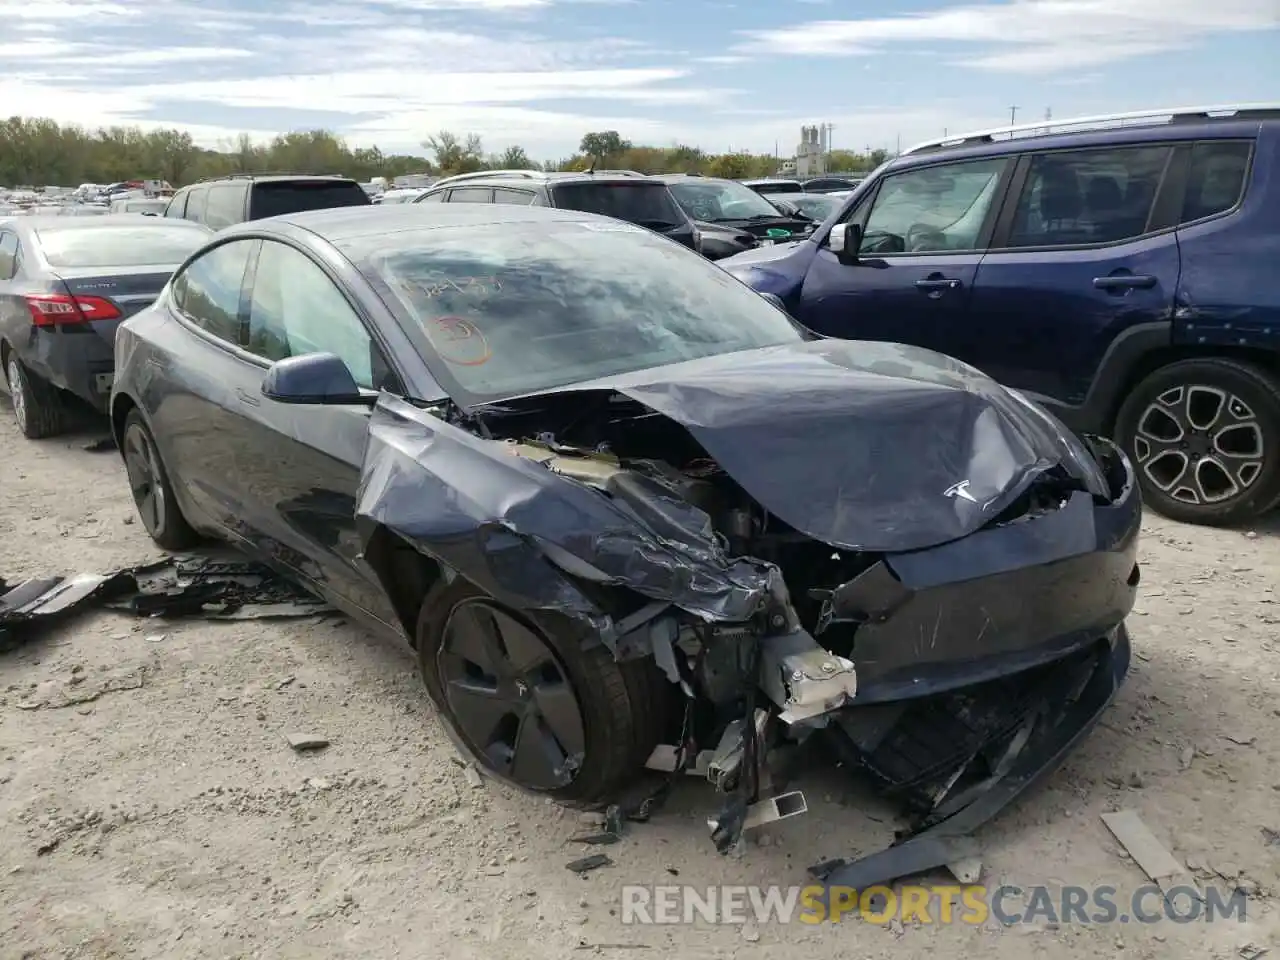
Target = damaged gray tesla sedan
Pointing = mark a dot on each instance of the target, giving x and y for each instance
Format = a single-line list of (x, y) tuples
[(632, 517)]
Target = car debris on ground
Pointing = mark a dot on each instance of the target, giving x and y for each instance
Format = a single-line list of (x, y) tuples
[(216, 585)]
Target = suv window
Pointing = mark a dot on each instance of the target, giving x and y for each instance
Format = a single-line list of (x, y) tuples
[(506, 195), (434, 197), (273, 198), (647, 204), (1216, 179), (178, 205), (296, 309), (196, 200), (932, 209), (208, 291), (470, 195), (225, 205), (1088, 196), (8, 255)]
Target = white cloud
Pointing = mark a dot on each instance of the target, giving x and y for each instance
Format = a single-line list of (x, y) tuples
[(1031, 36)]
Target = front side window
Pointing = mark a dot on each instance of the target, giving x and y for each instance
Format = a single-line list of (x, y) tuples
[(436, 196), (719, 201), (1216, 178), (207, 292), (177, 207), (1082, 197), (196, 201), (932, 209), (504, 309), (295, 309)]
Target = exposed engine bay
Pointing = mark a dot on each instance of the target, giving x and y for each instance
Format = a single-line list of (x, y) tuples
[(809, 560)]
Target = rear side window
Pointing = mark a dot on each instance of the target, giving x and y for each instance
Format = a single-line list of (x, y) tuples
[(436, 197), (208, 291), (225, 206), (1075, 198), (521, 197), (159, 244), (471, 195), (274, 198), (647, 204), (1216, 178)]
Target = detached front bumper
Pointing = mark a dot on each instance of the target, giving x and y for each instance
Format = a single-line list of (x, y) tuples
[(1077, 693)]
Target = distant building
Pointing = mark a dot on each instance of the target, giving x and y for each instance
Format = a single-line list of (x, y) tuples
[(811, 153)]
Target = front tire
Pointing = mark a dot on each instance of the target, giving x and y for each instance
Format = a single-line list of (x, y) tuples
[(37, 405), (149, 482), (530, 705), (1204, 437)]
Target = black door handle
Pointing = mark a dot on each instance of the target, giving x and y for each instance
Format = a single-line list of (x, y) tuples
[(244, 396), (939, 283), (1124, 282)]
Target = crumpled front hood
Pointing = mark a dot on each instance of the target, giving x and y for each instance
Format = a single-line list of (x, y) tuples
[(868, 446)]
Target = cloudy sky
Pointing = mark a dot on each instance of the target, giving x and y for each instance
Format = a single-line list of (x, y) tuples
[(721, 74)]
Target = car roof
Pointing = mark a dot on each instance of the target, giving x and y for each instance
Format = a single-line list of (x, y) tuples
[(544, 179), (692, 177), (344, 223), (105, 220), (269, 178)]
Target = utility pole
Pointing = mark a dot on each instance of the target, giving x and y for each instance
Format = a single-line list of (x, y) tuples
[(1013, 116), (898, 151)]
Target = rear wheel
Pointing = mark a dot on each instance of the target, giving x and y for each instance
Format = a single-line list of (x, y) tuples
[(532, 706), (1204, 436), (152, 492), (37, 405)]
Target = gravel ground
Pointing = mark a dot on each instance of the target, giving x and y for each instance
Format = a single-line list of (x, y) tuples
[(169, 818)]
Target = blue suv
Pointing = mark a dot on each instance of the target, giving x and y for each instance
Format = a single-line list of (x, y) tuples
[(1126, 274)]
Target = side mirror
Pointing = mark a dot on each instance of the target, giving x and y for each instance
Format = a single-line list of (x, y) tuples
[(314, 378), (844, 240)]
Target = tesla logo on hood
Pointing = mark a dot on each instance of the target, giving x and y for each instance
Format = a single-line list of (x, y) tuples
[(959, 491)]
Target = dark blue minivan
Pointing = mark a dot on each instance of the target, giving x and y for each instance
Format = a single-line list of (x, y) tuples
[(1123, 273)]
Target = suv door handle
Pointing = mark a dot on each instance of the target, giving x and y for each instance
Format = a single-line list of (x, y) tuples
[(938, 283), (1124, 282)]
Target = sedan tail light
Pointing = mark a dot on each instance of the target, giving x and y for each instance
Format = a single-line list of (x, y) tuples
[(52, 309)]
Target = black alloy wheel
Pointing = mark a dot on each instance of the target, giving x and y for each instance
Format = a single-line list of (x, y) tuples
[(510, 697), (152, 493), (537, 699), (1204, 436)]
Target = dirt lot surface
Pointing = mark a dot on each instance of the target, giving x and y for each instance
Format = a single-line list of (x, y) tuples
[(171, 819)]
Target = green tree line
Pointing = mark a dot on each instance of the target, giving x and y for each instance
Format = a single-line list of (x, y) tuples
[(40, 152)]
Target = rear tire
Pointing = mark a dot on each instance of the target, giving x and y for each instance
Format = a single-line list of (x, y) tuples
[(38, 406), (1204, 437), (608, 714), (149, 482)]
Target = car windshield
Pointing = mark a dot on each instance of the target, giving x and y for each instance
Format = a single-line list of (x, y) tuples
[(819, 206), (646, 203), (162, 244), (718, 201), (515, 308)]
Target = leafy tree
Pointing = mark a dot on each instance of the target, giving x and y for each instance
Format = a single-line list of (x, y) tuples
[(734, 166), (513, 158), (454, 156), (603, 146)]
